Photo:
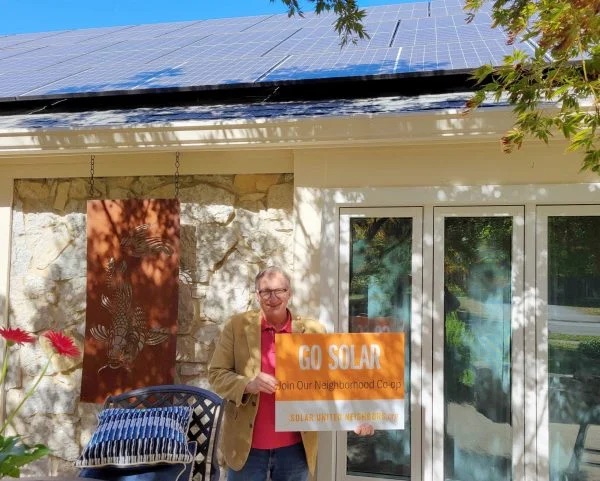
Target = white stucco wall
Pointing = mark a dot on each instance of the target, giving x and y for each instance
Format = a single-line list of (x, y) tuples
[(434, 148), (404, 150)]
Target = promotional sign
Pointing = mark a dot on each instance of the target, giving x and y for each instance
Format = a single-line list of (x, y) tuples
[(331, 382)]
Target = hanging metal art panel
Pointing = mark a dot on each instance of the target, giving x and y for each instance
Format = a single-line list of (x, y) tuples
[(132, 295)]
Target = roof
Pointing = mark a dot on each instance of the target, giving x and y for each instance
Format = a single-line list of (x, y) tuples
[(415, 48)]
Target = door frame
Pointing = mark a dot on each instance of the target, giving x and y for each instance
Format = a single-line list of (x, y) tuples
[(517, 327), (416, 213), (542, 330), (530, 196)]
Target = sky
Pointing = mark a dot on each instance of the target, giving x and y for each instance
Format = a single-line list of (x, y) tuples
[(26, 16)]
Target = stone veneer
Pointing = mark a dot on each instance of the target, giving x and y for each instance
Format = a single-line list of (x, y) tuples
[(231, 227)]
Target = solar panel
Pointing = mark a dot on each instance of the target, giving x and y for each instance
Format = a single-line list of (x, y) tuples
[(16, 86), (347, 63), (126, 76), (274, 22), (423, 36), (12, 52)]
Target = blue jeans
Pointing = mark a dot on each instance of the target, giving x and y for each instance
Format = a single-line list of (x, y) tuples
[(280, 464)]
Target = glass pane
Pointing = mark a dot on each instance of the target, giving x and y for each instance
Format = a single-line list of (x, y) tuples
[(574, 347), (477, 320), (379, 300)]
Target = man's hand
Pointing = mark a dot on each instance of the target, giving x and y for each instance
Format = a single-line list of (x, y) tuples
[(364, 429), (262, 383)]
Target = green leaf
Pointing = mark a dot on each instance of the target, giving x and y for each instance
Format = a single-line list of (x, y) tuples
[(482, 73), (564, 68), (591, 161), (14, 454), (475, 101)]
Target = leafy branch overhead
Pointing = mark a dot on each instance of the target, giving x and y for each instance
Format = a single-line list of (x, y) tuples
[(555, 89), (349, 18)]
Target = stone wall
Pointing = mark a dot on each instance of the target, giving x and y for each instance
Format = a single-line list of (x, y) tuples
[(231, 227)]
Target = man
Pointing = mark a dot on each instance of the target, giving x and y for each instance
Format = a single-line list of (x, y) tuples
[(242, 371)]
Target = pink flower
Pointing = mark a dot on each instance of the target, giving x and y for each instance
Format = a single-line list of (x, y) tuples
[(62, 344), (16, 335), (14, 453)]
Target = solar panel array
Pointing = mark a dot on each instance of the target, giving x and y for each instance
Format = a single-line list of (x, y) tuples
[(424, 36)]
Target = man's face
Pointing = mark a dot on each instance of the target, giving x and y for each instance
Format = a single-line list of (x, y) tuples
[(273, 296)]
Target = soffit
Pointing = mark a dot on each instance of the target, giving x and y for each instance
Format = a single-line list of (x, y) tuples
[(380, 121)]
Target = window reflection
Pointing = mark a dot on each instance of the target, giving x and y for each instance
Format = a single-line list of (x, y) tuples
[(379, 301), (574, 347), (477, 321)]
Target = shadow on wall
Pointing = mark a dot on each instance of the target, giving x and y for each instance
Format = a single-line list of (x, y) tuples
[(232, 226)]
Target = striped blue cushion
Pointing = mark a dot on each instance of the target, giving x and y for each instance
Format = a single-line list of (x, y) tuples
[(145, 472), (127, 437)]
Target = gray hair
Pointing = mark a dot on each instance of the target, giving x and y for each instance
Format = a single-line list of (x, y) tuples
[(270, 271)]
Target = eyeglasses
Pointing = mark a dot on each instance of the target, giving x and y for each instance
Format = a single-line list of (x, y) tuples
[(265, 294)]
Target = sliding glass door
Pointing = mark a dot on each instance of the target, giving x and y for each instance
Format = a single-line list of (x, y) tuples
[(380, 285), (569, 330), (477, 286), (501, 310)]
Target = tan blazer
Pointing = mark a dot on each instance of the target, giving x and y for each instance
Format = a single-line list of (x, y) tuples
[(235, 362)]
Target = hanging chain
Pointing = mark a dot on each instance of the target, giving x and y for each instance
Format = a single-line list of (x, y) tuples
[(92, 160), (176, 176)]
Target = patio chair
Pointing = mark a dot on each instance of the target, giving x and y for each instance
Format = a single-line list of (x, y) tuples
[(206, 414)]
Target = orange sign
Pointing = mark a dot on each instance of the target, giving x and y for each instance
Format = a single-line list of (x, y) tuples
[(337, 381)]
